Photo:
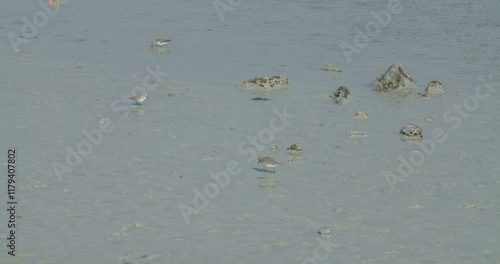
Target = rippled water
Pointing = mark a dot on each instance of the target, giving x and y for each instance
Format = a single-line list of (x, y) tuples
[(120, 203)]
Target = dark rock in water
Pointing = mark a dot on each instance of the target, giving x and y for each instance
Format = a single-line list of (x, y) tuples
[(260, 99), (341, 94), (295, 147), (434, 88), (412, 131), (294, 150), (266, 82), (395, 78)]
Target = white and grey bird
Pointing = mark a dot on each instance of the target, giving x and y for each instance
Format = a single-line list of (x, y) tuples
[(160, 42), (268, 162), (139, 98)]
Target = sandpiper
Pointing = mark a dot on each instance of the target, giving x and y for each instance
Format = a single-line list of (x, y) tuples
[(139, 98), (268, 162), (160, 42)]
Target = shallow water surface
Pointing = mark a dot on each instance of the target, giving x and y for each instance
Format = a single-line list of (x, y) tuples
[(176, 180)]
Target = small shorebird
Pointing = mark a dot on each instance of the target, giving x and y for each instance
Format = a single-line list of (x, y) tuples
[(160, 42), (139, 98), (268, 162)]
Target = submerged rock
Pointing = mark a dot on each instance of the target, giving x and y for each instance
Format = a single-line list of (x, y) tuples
[(393, 79), (340, 95), (295, 147), (266, 82), (294, 150), (329, 67), (411, 131), (356, 134), (325, 232), (260, 99), (361, 116), (434, 88)]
